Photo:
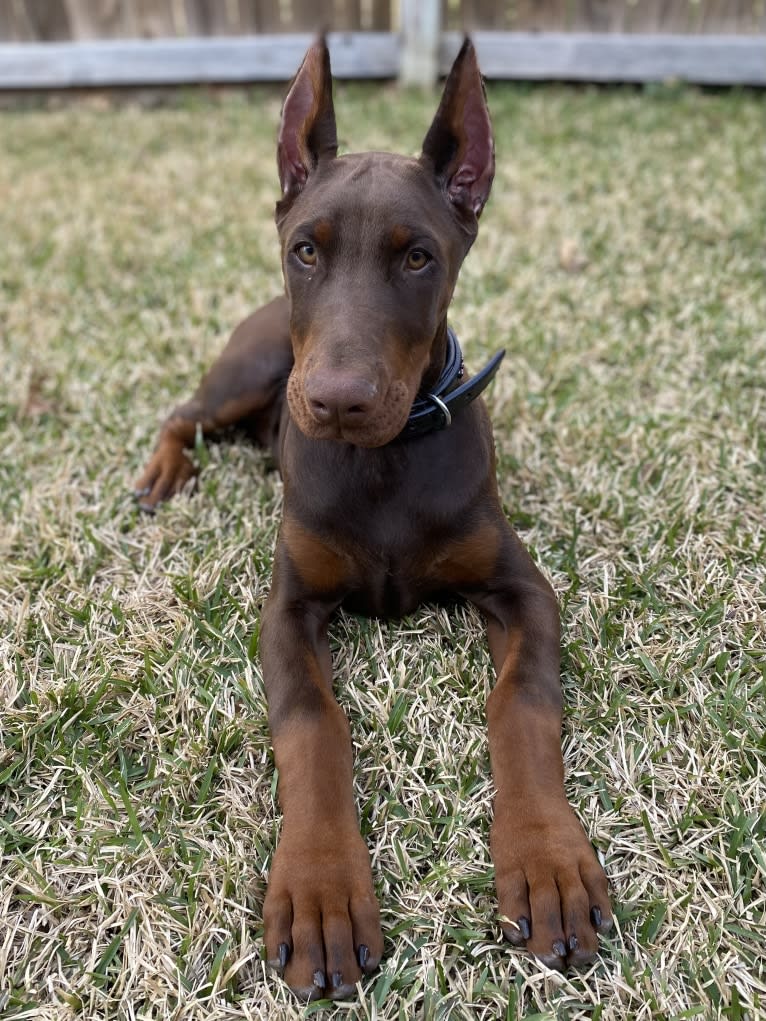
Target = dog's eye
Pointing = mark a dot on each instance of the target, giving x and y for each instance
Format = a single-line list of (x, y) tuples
[(417, 259), (306, 253)]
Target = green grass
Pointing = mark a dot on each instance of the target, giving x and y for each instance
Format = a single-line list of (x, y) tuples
[(620, 264)]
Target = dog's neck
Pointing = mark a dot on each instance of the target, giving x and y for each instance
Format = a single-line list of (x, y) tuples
[(436, 402)]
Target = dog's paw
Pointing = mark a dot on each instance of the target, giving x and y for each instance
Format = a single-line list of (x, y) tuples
[(166, 474), (321, 917), (552, 891)]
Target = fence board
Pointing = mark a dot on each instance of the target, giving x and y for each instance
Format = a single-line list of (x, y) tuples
[(658, 16), (421, 36), (640, 16), (178, 61), (268, 16), (615, 57), (248, 16), (732, 16), (596, 16), (380, 15), (206, 17), (505, 55), (311, 15), (92, 19), (49, 19), (483, 14), (151, 19), (9, 26), (348, 16), (97, 19), (539, 15)]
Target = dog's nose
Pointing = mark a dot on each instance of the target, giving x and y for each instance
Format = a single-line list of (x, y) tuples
[(341, 397)]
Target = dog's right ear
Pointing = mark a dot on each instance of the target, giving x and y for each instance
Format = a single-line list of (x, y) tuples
[(307, 133)]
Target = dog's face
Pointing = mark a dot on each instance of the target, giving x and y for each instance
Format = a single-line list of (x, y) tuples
[(371, 248)]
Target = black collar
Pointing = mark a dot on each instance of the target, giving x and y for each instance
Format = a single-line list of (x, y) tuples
[(436, 409)]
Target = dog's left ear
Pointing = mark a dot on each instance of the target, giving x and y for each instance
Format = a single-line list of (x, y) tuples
[(307, 133), (459, 144)]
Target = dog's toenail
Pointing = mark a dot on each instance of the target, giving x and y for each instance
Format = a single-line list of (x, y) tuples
[(559, 949), (572, 943), (525, 928), (319, 980), (337, 979), (595, 917), (283, 952), (363, 954)]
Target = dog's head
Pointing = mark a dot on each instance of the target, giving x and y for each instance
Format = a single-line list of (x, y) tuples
[(372, 244)]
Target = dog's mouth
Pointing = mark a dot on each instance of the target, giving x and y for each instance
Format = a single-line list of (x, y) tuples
[(375, 428)]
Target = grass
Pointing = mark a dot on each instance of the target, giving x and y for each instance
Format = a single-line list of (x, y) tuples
[(620, 264)]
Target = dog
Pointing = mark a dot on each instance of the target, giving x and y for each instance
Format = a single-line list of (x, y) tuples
[(355, 382)]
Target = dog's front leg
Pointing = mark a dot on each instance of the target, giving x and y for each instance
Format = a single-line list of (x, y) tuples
[(551, 889), (321, 918), (243, 384)]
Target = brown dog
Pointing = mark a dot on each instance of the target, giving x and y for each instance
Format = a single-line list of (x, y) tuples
[(352, 379)]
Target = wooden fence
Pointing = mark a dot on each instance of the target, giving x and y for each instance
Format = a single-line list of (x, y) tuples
[(58, 20), (62, 43), (715, 17)]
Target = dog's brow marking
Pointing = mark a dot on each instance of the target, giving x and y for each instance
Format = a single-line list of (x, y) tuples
[(400, 237), (323, 232)]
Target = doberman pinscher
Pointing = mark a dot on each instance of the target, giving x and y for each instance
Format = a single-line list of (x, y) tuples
[(355, 382)]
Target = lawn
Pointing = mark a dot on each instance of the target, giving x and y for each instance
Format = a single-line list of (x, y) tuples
[(620, 263)]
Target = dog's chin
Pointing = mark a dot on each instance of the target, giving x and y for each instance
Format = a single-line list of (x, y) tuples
[(367, 438), (375, 431)]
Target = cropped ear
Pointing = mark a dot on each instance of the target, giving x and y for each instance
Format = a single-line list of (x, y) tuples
[(459, 144), (307, 132)]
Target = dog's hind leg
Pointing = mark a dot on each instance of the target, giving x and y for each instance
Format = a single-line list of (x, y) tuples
[(245, 385)]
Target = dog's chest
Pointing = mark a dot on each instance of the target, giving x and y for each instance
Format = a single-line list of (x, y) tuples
[(391, 515), (386, 595), (394, 543)]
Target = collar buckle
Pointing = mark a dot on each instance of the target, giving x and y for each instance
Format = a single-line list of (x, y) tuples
[(443, 408)]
